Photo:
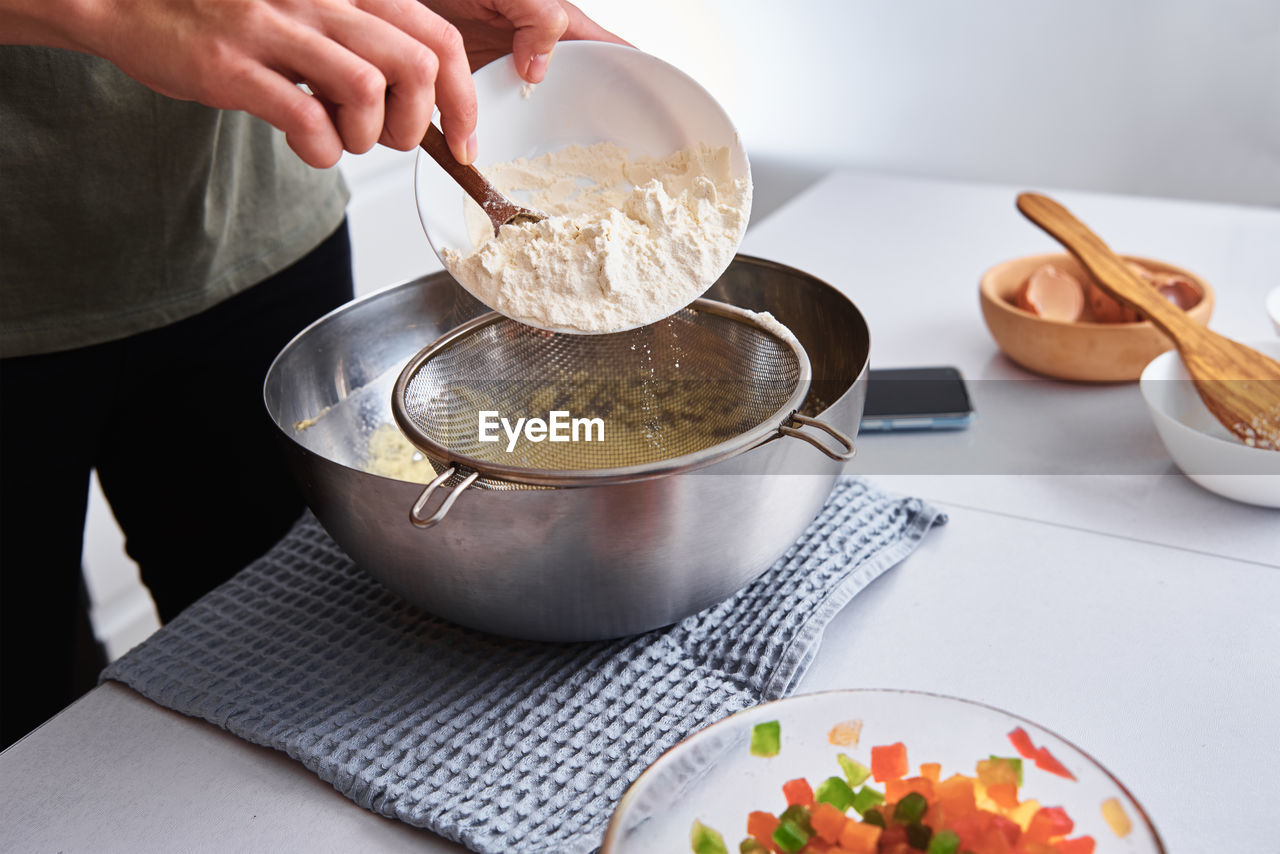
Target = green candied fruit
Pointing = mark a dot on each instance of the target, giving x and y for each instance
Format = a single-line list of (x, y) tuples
[(798, 814), (944, 842), (911, 808), (873, 817), (766, 739), (791, 837), (704, 840), (866, 798), (836, 792), (1014, 761), (751, 845), (919, 836), (855, 772)]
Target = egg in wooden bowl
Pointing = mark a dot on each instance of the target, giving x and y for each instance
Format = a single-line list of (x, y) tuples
[(1046, 314)]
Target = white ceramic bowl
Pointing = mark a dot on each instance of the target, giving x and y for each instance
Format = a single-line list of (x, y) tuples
[(1201, 446), (1273, 308), (713, 778), (593, 92)]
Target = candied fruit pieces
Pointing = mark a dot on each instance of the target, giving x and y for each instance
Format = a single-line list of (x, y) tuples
[(845, 733), (860, 838), (994, 771), (1116, 817), (766, 739), (798, 791), (1078, 845), (889, 762), (855, 773), (1049, 822), (704, 840), (836, 792), (761, 825), (828, 820)]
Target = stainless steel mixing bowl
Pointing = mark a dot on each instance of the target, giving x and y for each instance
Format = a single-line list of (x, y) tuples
[(559, 564)]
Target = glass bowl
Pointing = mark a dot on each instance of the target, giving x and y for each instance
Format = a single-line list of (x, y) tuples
[(712, 777)]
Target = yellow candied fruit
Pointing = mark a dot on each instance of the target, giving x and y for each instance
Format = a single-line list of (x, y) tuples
[(1115, 815), (994, 771), (1022, 815), (846, 733)]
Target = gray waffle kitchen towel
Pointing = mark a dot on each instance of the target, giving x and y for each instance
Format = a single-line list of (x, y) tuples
[(501, 745)]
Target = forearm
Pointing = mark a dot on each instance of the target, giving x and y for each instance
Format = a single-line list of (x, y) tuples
[(67, 24)]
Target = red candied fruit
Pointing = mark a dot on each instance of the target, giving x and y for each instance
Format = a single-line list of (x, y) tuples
[(1022, 743), (1049, 822), (798, 792), (1047, 761)]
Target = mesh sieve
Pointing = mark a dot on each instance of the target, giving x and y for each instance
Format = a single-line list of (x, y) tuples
[(706, 383)]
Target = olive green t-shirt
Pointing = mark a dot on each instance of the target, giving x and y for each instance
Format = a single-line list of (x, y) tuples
[(122, 210)]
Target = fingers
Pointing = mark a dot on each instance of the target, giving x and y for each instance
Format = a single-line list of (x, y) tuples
[(539, 24), (353, 87), (454, 92), (408, 75), (583, 28), (307, 126)]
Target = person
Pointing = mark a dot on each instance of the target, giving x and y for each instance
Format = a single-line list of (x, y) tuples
[(160, 243)]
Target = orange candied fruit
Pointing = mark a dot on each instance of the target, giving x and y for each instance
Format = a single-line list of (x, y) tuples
[(761, 825), (845, 733), (1004, 794), (896, 790), (931, 771), (827, 821), (860, 838), (956, 795), (889, 762)]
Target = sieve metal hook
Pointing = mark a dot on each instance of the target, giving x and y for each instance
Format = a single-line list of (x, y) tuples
[(805, 421), (415, 515)]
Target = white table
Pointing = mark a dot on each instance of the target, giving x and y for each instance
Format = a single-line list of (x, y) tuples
[(1130, 611)]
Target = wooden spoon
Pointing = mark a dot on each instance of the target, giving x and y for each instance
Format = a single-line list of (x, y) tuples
[(1239, 385), (500, 210)]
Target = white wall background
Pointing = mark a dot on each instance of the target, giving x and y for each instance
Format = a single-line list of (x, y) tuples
[(1153, 97)]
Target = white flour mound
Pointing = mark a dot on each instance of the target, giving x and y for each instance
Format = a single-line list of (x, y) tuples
[(626, 242)]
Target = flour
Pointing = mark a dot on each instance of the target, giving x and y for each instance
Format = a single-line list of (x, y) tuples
[(769, 323), (626, 242)]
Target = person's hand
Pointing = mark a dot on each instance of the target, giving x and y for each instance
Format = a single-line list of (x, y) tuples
[(377, 68), (527, 29)]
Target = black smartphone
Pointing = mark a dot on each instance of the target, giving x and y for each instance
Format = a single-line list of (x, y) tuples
[(916, 399)]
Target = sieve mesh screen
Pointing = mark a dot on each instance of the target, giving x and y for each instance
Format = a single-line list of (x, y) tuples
[(701, 378)]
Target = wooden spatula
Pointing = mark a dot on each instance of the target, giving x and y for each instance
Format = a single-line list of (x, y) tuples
[(500, 210), (1239, 385)]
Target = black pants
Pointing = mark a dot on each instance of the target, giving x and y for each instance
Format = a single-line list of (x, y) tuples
[(174, 422)]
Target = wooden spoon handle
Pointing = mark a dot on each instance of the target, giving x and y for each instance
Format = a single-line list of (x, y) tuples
[(474, 184), (1109, 270)]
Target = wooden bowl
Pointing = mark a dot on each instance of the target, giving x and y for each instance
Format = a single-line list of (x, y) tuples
[(1082, 350)]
